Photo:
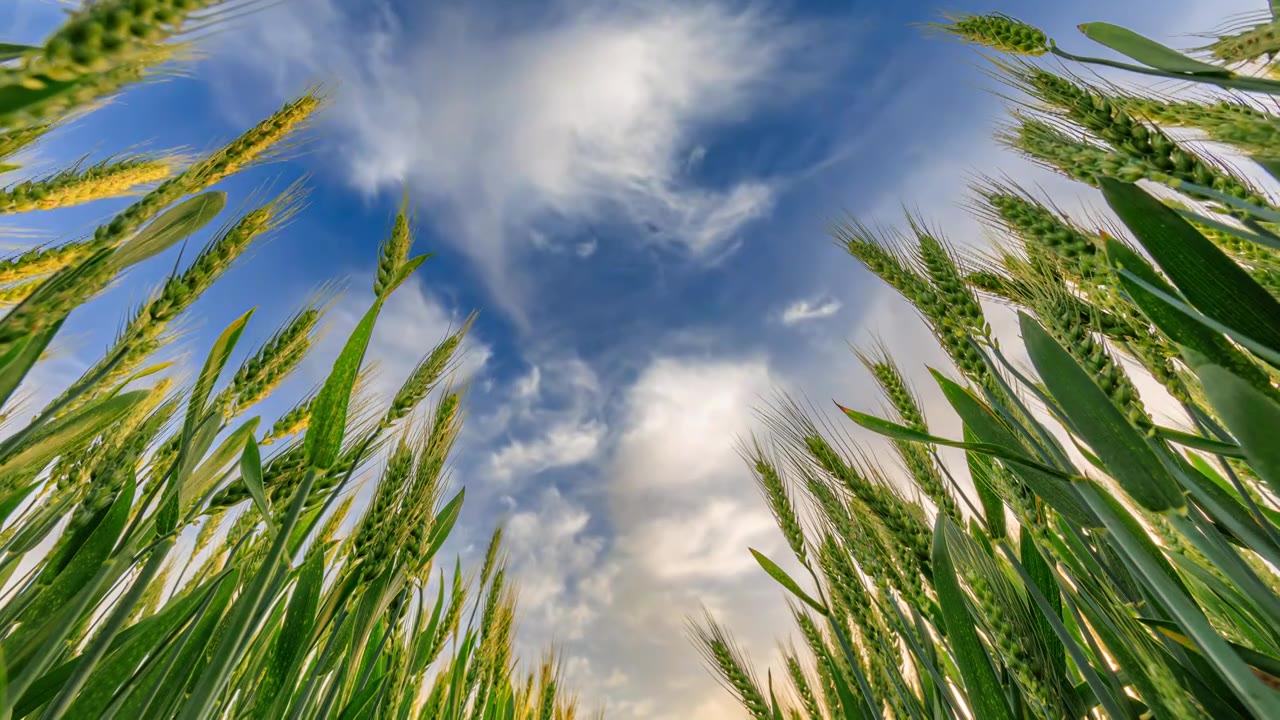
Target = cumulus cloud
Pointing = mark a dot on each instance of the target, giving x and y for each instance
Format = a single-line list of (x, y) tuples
[(554, 420), (612, 569), (588, 111), (681, 419), (564, 578), (684, 511), (803, 310), (565, 444)]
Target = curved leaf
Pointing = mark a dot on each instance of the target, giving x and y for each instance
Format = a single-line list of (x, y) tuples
[(1148, 52), (983, 689), (70, 431), (1127, 455), (1211, 281), (785, 581), (1045, 481), (1252, 417), (1144, 285), (251, 473), (175, 224)]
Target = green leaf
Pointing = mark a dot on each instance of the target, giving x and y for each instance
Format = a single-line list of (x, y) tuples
[(982, 470), (1199, 442), (128, 648), (1261, 662), (425, 639), (20, 359), (785, 581), (199, 428), (1139, 279), (12, 51), (15, 98), (1151, 566), (1207, 277), (1227, 510), (1229, 229), (1199, 463), (983, 688), (48, 305), (1270, 355), (213, 365), (1045, 581), (175, 224), (4, 688), (1047, 482), (248, 608), (1252, 417), (359, 707), (291, 641), (13, 498), (901, 432), (251, 474), (404, 272), (70, 431), (110, 625), (1127, 455), (186, 659), (44, 617), (1258, 212), (205, 477), (443, 523), (329, 411), (1148, 52)]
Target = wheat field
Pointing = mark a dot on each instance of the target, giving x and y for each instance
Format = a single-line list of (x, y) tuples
[(167, 554), (1085, 560)]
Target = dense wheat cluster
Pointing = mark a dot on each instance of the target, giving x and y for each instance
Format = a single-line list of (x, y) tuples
[(156, 561), (1087, 561)]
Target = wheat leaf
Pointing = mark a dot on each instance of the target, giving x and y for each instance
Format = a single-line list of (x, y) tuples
[(1148, 52)]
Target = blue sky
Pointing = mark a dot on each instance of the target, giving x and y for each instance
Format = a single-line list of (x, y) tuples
[(636, 197)]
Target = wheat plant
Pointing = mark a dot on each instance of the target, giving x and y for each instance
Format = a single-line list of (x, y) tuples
[(155, 562), (1085, 560)]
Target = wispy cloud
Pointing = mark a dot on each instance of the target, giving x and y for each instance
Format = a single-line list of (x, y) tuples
[(563, 445), (816, 309), (552, 420), (589, 111)]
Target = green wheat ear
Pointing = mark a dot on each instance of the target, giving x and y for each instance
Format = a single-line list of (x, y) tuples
[(1259, 42), (76, 186), (998, 31)]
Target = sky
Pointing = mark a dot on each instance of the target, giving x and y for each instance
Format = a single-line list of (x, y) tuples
[(636, 197)]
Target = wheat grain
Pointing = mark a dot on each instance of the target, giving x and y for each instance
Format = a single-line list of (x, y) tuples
[(727, 659), (76, 186), (102, 35), (999, 31)]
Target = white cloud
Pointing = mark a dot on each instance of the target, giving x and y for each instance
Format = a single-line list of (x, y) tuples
[(589, 111), (563, 445), (529, 386), (685, 511), (564, 580), (681, 420), (709, 541), (802, 310), (542, 242), (553, 421)]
